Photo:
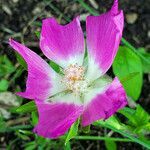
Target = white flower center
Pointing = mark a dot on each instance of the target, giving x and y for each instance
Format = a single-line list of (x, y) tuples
[(74, 79)]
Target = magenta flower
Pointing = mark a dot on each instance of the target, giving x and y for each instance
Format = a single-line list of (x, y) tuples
[(82, 90)]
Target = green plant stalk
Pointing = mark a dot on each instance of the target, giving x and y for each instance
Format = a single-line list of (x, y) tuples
[(18, 127), (17, 74), (102, 138), (57, 10), (125, 134), (88, 8)]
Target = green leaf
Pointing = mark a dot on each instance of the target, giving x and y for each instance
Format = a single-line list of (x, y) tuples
[(21, 61), (56, 67), (6, 67), (129, 77), (145, 64), (42, 141), (128, 113), (22, 136), (141, 116), (115, 122), (127, 44), (26, 132), (125, 64), (110, 145), (123, 131), (67, 146), (3, 126), (136, 118), (4, 84), (128, 110), (86, 129), (34, 116), (28, 107), (73, 131), (30, 145), (37, 34)]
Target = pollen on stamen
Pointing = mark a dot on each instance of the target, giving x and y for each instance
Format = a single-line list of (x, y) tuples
[(74, 78), (74, 72)]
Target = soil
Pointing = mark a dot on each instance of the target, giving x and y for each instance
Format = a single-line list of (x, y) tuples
[(19, 19)]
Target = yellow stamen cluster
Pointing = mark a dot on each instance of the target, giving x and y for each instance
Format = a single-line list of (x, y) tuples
[(74, 72), (74, 78)]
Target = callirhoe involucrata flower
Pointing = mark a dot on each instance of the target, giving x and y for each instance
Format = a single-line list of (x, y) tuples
[(82, 89)]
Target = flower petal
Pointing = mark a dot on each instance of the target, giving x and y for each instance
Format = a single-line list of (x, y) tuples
[(104, 33), (56, 118), (104, 105), (40, 75), (63, 44)]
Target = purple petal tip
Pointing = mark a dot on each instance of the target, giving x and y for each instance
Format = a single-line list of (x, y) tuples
[(10, 41), (114, 8)]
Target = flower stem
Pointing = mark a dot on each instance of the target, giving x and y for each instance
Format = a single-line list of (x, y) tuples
[(102, 138), (88, 8)]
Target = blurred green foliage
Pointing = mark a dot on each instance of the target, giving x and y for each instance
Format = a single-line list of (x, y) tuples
[(6, 67), (125, 63)]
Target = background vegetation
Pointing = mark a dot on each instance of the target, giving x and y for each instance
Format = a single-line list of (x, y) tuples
[(128, 129)]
